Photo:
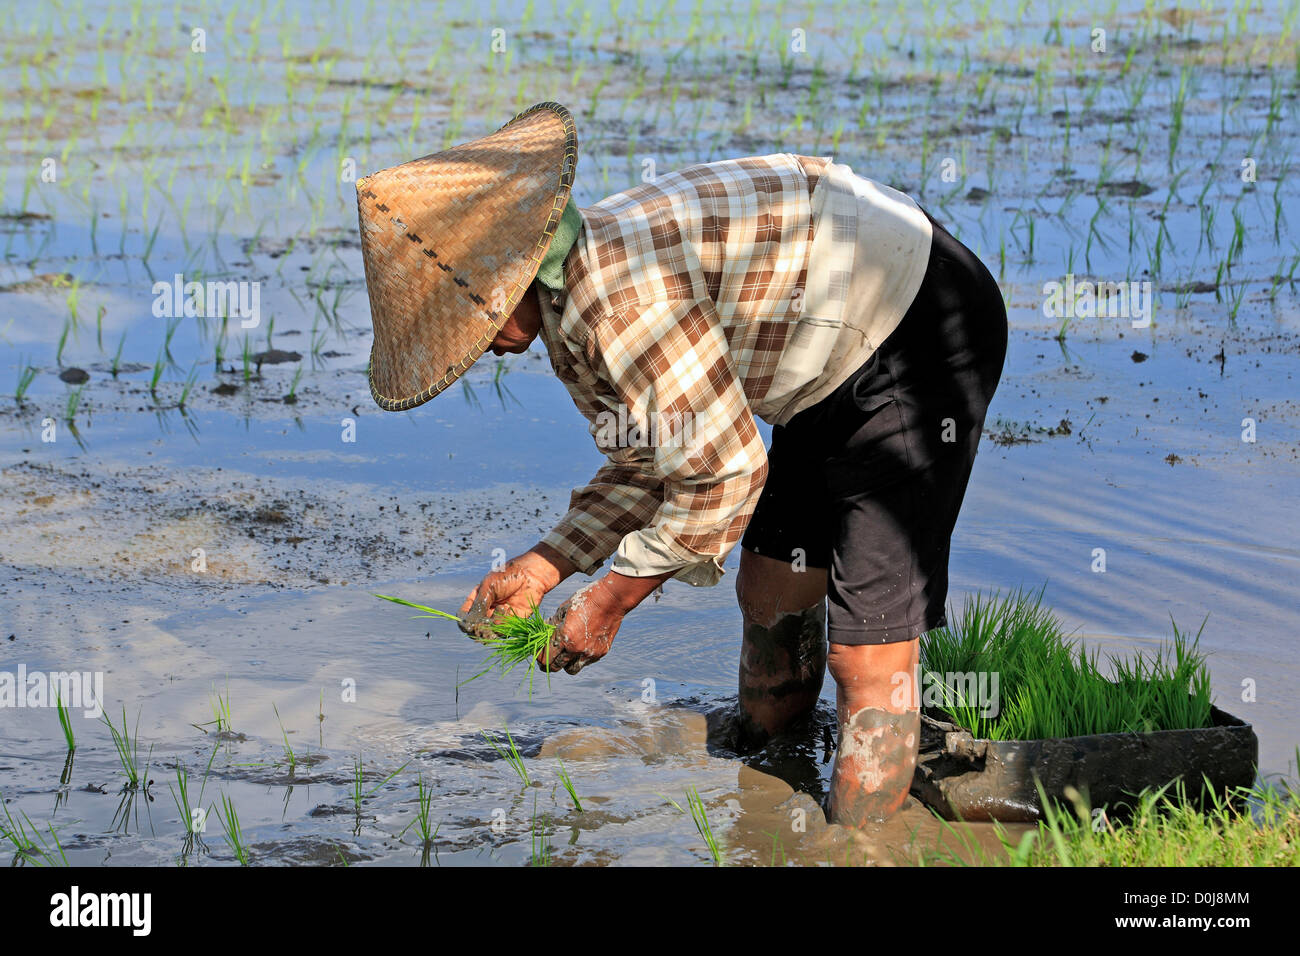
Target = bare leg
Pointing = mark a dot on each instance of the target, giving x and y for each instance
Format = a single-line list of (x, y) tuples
[(880, 729), (783, 652)]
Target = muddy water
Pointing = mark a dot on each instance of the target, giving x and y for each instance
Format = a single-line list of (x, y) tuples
[(102, 574), (231, 546)]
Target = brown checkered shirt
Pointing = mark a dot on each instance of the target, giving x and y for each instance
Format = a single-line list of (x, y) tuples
[(688, 311)]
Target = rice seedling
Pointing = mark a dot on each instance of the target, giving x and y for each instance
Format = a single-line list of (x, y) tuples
[(292, 397), (192, 813), (15, 833), (359, 793), (158, 368), (63, 341), (288, 748), (169, 333), (1236, 296), (701, 819), (127, 744), (541, 845), (1048, 687), (233, 831), (27, 840), (510, 755), (73, 402), (65, 721), (424, 804), (26, 375), (116, 365), (568, 786), (514, 641), (190, 380), (220, 709), (777, 847)]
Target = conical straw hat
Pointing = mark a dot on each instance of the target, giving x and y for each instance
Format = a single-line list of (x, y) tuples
[(452, 241)]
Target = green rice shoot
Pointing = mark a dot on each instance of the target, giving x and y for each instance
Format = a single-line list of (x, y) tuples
[(290, 756), (512, 756), (541, 845), (23, 835), (568, 786), (65, 721), (701, 818), (424, 800), (1051, 688), (516, 640), (127, 745), (233, 831)]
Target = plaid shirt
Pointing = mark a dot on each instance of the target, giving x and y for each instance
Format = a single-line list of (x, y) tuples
[(693, 304)]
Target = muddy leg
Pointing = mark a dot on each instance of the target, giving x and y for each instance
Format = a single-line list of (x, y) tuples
[(783, 651), (880, 729)]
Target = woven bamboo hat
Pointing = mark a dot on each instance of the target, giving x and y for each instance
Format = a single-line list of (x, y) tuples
[(452, 241)]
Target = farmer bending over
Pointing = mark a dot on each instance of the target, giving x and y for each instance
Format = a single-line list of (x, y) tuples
[(783, 287)]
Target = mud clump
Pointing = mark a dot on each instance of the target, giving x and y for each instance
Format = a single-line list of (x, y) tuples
[(40, 283), (276, 357), (1130, 187), (269, 516), (74, 376)]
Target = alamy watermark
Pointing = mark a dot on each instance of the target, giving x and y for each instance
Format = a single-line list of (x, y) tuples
[(1086, 299), (944, 690), (242, 300), (663, 430), (78, 690)]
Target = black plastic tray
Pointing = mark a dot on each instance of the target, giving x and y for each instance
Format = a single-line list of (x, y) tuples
[(965, 778)]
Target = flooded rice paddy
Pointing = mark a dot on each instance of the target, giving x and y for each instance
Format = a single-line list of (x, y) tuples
[(204, 528)]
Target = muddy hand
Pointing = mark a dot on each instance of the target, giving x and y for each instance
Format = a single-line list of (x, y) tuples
[(585, 626), (518, 587)]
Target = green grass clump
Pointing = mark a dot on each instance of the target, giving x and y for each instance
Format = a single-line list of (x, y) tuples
[(27, 841), (516, 640), (1048, 687), (1256, 826)]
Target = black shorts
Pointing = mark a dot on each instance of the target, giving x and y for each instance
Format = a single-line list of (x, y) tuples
[(867, 483)]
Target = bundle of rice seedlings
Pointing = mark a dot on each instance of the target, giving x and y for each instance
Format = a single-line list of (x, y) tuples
[(1050, 686), (515, 640)]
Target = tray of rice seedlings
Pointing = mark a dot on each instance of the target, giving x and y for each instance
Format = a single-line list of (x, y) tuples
[(514, 640), (1015, 712)]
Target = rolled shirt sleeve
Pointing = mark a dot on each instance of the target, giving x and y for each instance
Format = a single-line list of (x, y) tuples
[(687, 462)]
